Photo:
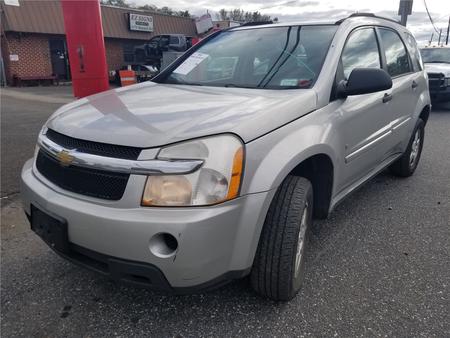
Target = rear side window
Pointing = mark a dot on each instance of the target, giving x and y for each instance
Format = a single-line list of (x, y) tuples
[(397, 59), (361, 51), (413, 52)]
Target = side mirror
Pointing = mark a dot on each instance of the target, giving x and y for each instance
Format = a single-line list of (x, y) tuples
[(365, 81)]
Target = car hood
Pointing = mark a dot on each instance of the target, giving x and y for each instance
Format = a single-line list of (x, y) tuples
[(438, 68), (151, 115)]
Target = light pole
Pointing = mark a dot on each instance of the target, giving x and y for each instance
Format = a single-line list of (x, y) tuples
[(448, 31), (405, 9)]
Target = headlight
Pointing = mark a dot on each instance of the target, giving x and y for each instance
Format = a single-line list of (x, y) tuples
[(218, 179)]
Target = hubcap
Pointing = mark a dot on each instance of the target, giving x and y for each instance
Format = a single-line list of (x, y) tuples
[(415, 147), (301, 239)]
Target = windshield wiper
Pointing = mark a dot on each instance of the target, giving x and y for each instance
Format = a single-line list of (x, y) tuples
[(183, 83), (232, 85)]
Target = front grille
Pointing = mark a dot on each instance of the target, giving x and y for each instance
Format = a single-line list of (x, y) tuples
[(96, 148), (436, 80), (89, 182)]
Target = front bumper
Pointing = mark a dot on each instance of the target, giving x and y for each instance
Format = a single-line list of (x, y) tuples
[(440, 95), (215, 243), (439, 88)]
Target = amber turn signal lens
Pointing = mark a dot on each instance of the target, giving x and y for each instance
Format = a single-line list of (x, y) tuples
[(236, 174)]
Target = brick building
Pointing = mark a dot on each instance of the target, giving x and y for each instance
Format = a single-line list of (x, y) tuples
[(33, 40)]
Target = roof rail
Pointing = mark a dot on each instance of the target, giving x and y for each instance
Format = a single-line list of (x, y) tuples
[(370, 15), (257, 23)]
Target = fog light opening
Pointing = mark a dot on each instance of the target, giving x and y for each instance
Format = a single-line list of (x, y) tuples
[(163, 245)]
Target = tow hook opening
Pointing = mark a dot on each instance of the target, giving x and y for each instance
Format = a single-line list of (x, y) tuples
[(163, 245)]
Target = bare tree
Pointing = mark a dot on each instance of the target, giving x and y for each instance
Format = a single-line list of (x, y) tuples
[(239, 15), (118, 3), (223, 14)]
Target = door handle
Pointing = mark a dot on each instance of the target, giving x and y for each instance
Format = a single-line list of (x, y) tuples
[(414, 85), (387, 97)]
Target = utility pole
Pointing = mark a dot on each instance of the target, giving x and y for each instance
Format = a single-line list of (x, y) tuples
[(405, 9), (448, 31)]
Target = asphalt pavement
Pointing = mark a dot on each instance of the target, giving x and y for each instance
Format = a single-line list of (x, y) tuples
[(379, 266), (23, 112)]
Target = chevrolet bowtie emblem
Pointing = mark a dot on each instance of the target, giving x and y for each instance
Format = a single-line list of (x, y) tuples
[(64, 158)]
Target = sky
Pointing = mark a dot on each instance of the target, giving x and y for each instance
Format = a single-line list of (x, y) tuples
[(300, 10)]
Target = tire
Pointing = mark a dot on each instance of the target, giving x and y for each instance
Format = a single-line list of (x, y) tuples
[(407, 163), (277, 273)]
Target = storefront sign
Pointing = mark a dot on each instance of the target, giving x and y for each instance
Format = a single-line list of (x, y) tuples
[(203, 23), (12, 2), (13, 57), (141, 23)]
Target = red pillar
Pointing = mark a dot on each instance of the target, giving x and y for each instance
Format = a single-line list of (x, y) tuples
[(86, 47)]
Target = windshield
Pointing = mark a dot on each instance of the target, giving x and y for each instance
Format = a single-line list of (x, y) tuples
[(436, 55), (275, 57)]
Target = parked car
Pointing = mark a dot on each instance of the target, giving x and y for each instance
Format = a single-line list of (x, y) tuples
[(152, 51), (201, 176), (437, 65)]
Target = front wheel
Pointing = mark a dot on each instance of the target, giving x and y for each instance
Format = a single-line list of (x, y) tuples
[(278, 268), (407, 163)]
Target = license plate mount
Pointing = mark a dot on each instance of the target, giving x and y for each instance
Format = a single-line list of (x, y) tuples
[(52, 229)]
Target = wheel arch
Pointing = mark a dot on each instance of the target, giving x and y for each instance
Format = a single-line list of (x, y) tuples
[(423, 107), (425, 113), (319, 170), (316, 163)]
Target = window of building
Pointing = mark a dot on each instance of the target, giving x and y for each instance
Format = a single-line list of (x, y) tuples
[(397, 58), (129, 52), (361, 51)]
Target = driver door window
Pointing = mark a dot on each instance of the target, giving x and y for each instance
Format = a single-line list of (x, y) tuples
[(361, 51), (164, 43), (174, 40), (153, 43)]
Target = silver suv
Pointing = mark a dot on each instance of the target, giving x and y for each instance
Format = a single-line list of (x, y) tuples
[(216, 169)]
